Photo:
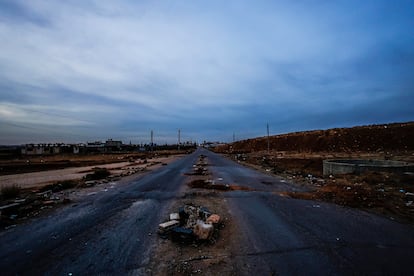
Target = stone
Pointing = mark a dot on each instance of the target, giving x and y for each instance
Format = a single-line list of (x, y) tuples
[(166, 226), (203, 231), (213, 219), (174, 216)]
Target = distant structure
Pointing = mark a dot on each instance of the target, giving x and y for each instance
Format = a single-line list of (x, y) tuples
[(179, 138), (206, 144), (49, 149), (90, 147), (112, 145), (109, 146)]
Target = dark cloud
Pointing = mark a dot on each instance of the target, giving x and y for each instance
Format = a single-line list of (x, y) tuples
[(16, 12), (82, 70)]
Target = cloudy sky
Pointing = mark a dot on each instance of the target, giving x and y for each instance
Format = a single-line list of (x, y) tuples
[(77, 71)]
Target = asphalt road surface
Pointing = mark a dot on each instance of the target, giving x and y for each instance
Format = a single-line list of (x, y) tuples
[(113, 232)]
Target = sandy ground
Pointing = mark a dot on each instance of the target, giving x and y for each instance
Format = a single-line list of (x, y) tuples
[(36, 179)]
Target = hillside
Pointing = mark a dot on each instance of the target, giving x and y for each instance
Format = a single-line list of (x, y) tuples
[(396, 137), (373, 138)]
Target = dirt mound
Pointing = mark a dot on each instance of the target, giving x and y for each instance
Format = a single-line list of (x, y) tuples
[(373, 138)]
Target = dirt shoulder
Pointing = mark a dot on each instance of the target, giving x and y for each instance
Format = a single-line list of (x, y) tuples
[(388, 194), (117, 169)]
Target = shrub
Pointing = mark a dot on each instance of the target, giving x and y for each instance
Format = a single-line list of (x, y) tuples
[(59, 186), (99, 173), (9, 192)]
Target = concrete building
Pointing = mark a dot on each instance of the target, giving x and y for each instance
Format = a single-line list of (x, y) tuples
[(112, 145)]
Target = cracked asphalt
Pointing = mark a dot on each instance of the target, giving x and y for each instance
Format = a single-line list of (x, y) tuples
[(114, 232)]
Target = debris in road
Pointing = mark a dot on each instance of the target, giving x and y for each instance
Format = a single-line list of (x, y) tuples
[(164, 227), (174, 216), (210, 184), (191, 223), (182, 234), (213, 219), (200, 167), (28, 204), (202, 230)]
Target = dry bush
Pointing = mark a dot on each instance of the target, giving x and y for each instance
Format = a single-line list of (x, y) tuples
[(9, 192), (99, 173)]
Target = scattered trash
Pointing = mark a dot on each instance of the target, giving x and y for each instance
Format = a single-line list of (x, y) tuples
[(210, 184), (175, 216), (182, 234), (213, 219), (202, 230), (190, 224), (164, 227)]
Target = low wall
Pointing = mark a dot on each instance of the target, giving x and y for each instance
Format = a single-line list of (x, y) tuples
[(356, 166)]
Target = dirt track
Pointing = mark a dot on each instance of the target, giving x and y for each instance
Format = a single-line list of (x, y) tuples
[(36, 179)]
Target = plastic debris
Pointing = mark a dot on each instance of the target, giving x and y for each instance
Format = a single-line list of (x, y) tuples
[(182, 234), (174, 216), (213, 219), (191, 223), (163, 227), (203, 230)]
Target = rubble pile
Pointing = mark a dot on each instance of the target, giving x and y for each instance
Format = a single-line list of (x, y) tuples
[(30, 205), (200, 167), (191, 223), (208, 184)]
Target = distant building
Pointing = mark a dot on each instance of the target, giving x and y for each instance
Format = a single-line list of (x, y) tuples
[(95, 147), (112, 145), (212, 144), (78, 148), (41, 149)]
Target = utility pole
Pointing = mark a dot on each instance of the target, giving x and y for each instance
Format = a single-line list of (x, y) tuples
[(268, 139), (234, 137), (179, 138), (152, 139)]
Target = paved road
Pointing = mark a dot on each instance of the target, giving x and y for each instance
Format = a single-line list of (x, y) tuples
[(298, 237), (107, 233), (112, 232)]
